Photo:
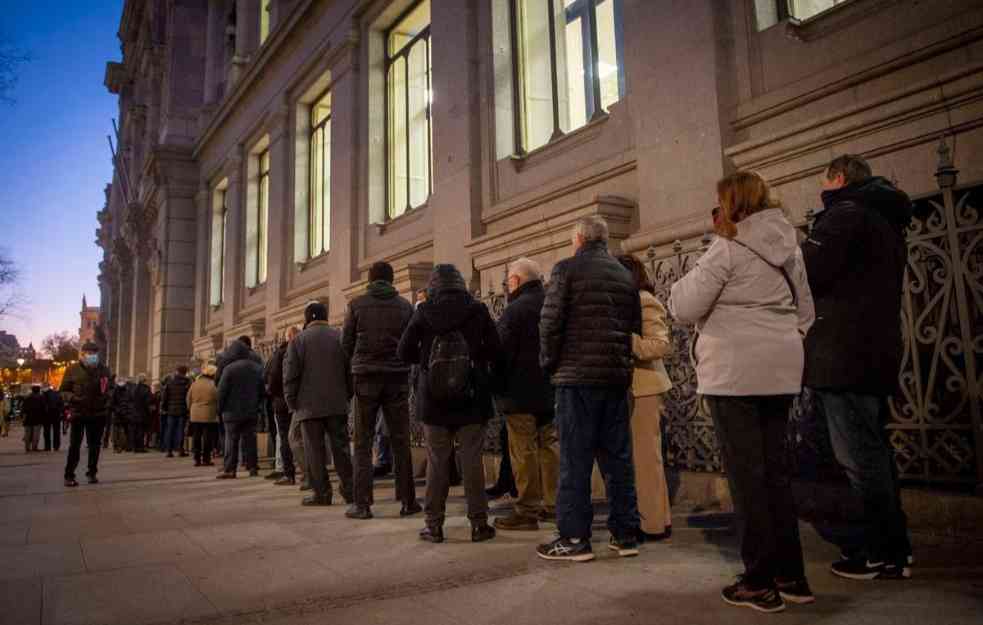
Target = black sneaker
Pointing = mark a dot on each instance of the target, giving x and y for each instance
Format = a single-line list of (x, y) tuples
[(570, 549), (797, 591), (857, 568), (626, 547), (362, 513), (762, 600), (314, 500), (410, 509), (434, 534), (482, 532), (895, 571)]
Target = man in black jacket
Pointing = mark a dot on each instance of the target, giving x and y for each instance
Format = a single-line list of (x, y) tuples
[(241, 393), (526, 398), (141, 397), (85, 388), (592, 308), (281, 414), (373, 326), (174, 409), (56, 412), (855, 257)]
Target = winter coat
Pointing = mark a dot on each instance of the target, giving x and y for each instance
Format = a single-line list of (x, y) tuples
[(141, 399), (591, 310), (373, 326), (226, 358), (448, 310), (122, 406), (316, 380), (55, 406), (524, 387), (154, 424), (173, 396), (240, 391), (856, 256), (87, 391), (273, 373), (34, 409), (203, 400), (649, 348), (750, 327)]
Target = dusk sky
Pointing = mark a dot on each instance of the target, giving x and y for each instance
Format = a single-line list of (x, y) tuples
[(56, 160)]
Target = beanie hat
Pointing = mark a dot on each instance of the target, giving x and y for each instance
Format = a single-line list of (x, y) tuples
[(315, 311)]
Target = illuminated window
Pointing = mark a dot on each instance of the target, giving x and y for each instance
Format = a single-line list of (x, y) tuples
[(264, 20), (220, 226), (568, 65), (263, 218), (409, 98), (319, 218)]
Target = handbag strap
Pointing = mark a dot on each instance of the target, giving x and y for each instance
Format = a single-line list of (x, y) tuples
[(781, 268)]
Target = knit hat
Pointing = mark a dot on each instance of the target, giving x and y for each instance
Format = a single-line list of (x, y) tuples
[(315, 311), (446, 278)]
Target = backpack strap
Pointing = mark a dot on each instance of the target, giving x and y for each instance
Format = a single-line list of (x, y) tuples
[(781, 268)]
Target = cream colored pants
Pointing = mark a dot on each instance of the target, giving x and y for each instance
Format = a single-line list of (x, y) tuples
[(650, 473)]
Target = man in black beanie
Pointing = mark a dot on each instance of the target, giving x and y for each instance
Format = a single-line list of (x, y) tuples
[(373, 326), (317, 387)]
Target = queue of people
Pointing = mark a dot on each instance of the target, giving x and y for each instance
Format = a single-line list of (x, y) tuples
[(576, 366)]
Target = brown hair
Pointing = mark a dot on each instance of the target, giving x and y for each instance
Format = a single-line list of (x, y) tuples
[(638, 273), (741, 194), (854, 168)]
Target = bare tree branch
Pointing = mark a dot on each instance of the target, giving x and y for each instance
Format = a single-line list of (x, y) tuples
[(10, 296), (61, 346)]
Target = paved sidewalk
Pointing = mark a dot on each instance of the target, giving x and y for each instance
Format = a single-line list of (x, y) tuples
[(159, 541)]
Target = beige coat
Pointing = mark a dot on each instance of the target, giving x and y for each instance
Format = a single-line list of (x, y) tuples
[(203, 401), (650, 348)]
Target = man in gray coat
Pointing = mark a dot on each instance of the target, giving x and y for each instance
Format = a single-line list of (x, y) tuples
[(317, 387)]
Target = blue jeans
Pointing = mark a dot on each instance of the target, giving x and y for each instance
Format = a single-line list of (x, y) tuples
[(174, 434), (856, 432), (595, 423)]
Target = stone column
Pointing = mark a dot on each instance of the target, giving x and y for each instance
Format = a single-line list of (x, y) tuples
[(234, 238), (214, 50), (203, 220), (140, 326), (124, 318), (280, 252)]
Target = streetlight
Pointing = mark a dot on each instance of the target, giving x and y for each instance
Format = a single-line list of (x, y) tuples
[(20, 362)]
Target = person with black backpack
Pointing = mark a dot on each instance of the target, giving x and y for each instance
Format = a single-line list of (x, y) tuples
[(453, 338)]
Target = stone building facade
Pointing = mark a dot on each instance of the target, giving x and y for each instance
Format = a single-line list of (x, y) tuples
[(271, 150)]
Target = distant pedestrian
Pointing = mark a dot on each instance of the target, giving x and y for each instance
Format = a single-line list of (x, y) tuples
[(273, 376), (650, 382), (4, 414), (56, 413), (203, 406), (122, 414), (153, 438), (526, 398), (453, 339), (856, 256), (749, 298), (141, 398), (240, 402), (317, 388), (86, 390), (35, 413), (174, 410), (590, 313)]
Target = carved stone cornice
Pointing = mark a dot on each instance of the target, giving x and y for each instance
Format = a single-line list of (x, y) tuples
[(121, 260)]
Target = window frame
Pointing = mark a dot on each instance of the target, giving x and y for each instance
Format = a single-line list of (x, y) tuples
[(265, 19), (388, 60), (586, 11), (223, 223), (325, 188), (262, 216)]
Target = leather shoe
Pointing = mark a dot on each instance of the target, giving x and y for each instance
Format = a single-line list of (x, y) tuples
[(359, 512), (314, 500), (275, 475), (411, 509), (285, 481), (71, 483), (225, 476), (482, 532), (433, 534)]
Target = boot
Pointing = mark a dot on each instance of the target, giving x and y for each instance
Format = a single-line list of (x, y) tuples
[(362, 513), (481, 532), (315, 500), (432, 534)]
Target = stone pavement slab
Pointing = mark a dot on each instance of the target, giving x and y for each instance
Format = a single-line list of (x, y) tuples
[(138, 549), (40, 560), (20, 601)]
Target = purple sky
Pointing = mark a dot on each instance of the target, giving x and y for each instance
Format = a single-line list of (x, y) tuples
[(55, 160)]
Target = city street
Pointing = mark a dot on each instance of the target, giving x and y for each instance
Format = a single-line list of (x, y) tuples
[(159, 541)]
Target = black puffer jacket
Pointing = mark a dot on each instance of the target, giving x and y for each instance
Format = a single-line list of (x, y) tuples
[(122, 406), (55, 406), (525, 387), (450, 309), (855, 257), (141, 399), (592, 308), (34, 409), (174, 396), (373, 326), (241, 391), (87, 391)]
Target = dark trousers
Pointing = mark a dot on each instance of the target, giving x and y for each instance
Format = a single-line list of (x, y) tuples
[(283, 420), (595, 423), (856, 432), (93, 437), (336, 429), (391, 394), (384, 451), (174, 434), (506, 476), (136, 432), (203, 439), (440, 455), (751, 432), (244, 433), (52, 436)]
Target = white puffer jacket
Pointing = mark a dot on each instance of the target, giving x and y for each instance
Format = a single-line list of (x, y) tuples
[(750, 329)]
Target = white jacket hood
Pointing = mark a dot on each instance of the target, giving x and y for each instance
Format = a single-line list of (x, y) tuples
[(770, 235)]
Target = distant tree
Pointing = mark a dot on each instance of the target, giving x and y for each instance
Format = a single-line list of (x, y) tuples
[(9, 277), (11, 60), (61, 346)]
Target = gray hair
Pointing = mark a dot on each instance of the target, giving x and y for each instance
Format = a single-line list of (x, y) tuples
[(592, 228), (526, 269)]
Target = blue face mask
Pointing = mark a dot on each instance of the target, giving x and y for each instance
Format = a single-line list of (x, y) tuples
[(91, 359)]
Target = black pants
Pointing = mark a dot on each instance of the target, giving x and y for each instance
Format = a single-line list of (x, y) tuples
[(391, 394), (440, 456), (336, 428), (506, 477), (751, 431), (52, 436), (136, 430), (93, 437), (243, 432), (203, 439), (283, 419)]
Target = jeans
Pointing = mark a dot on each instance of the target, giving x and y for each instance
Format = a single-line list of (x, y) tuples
[(390, 393), (751, 431), (535, 454), (203, 440), (856, 432), (174, 434), (594, 422), (285, 456), (440, 456), (243, 432), (336, 429), (93, 436)]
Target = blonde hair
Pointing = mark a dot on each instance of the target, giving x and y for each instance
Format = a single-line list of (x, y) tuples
[(741, 195)]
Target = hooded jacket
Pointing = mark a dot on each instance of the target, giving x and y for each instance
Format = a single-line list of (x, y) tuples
[(750, 325), (525, 387), (316, 380), (173, 396), (856, 255), (141, 398), (240, 392), (450, 307), (373, 326), (122, 403)]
